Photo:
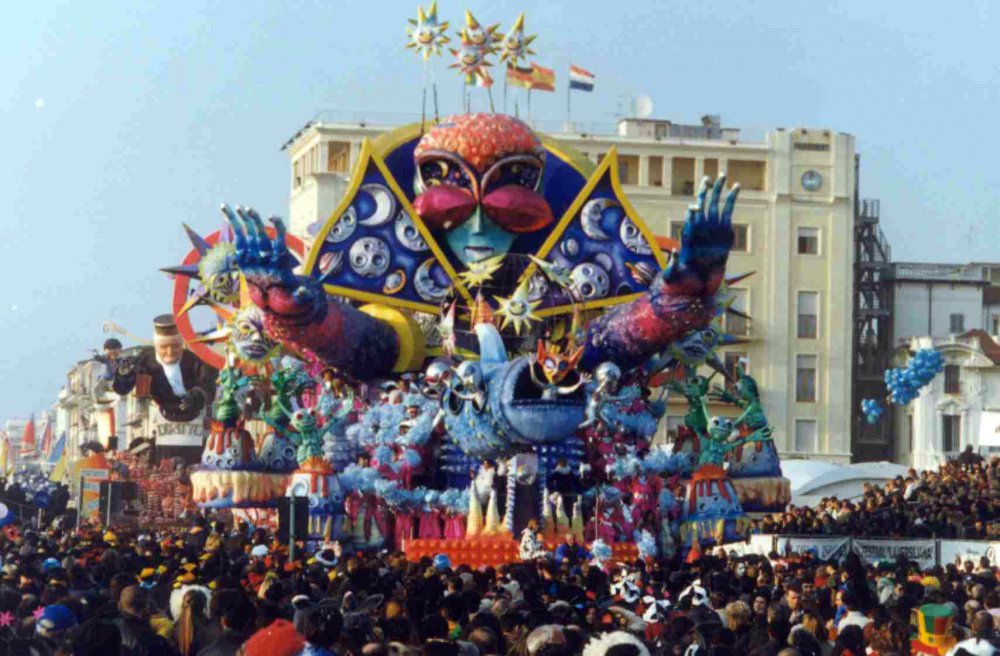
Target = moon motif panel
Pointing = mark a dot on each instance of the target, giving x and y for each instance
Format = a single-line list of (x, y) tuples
[(601, 246), (375, 249)]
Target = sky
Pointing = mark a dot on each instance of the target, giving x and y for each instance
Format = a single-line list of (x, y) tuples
[(122, 119)]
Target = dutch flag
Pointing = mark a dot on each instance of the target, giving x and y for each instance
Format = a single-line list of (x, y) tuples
[(580, 79)]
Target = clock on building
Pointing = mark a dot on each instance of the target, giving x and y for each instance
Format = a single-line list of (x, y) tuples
[(812, 180)]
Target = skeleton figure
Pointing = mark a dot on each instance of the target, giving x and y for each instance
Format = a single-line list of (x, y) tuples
[(608, 376), (470, 384), (556, 367)]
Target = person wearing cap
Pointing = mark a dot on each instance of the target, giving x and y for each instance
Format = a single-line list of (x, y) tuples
[(181, 384)]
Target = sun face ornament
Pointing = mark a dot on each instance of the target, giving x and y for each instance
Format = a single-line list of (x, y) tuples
[(514, 46), (426, 34)]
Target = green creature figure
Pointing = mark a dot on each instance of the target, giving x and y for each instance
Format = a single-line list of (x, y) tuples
[(308, 437), (227, 405), (287, 383), (715, 443), (695, 390), (713, 435), (746, 396)]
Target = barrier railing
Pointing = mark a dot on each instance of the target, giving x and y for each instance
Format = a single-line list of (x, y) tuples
[(928, 552)]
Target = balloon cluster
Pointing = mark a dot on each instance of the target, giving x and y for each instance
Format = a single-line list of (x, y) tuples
[(904, 384), (872, 410)]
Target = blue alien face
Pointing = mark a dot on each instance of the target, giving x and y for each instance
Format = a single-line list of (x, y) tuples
[(478, 239)]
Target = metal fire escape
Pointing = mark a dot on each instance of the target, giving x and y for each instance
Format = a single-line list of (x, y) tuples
[(872, 330)]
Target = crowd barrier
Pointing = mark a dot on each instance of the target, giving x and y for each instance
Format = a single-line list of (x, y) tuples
[(928, 552)]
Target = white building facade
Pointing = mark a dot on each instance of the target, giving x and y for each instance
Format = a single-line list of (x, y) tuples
[(960, 407)]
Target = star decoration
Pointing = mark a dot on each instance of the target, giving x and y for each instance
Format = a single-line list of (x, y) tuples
[(514, 45), (38, 612), (556, 273), (517, 309), (6, 618), (426, 33), (480, 273)]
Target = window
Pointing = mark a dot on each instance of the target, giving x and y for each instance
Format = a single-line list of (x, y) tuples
[(808, 241), (805, 378), (808, 323), (952, 379), (740, 242), (805, 436), (628, 169), (674, 422), (951, 432), (338, 156), (995, 324), (682, 176), (711, 168), (654, 170), (750, 174), (909, 432), (735, 359), (956, 323), (734, 324), (676, 228), (297, 174)]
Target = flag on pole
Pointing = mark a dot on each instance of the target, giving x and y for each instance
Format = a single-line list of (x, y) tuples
[(483, 79), (28, 439), (542, 79), (580, 79), (46, 445), (5, 459), (518, 76)]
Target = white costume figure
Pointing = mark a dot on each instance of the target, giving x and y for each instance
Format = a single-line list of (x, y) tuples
[(482, 484), (531, 547), (607, 375)]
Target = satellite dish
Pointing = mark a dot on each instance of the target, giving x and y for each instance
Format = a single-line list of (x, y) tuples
[(642, 106)]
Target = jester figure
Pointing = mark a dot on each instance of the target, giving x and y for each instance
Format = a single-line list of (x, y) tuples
[(477, 199)]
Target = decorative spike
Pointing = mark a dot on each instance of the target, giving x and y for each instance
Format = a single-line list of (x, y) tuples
[(190, 270), (493, 526), (742, 315), (474, 522), (199, 244), (481, 312), (200, 298), (739, 277)]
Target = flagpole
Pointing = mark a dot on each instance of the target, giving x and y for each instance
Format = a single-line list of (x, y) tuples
[(505, 90), (569, 89)]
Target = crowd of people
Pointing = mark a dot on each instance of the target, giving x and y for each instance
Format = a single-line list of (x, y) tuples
[(219, 589), (960, 500)]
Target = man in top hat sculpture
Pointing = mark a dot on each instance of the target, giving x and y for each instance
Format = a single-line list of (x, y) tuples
[(181, 384)]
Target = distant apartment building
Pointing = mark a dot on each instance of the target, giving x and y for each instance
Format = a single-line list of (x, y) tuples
[(794, 225)]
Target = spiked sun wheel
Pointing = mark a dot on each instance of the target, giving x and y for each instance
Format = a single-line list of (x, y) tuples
[(207, 278)]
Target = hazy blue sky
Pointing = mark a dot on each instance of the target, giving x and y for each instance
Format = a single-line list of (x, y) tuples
[(122, 119)]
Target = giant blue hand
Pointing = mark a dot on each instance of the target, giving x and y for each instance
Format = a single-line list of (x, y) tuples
[(268, 265), (699, 268)]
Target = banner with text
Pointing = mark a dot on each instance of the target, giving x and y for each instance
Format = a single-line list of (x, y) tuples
[(821, 548), (962, 550), (873, 551)]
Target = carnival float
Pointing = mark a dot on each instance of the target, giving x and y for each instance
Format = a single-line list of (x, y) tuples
[(475, 352)]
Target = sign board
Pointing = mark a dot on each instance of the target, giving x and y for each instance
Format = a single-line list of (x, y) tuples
[(171, 433), (920, 551), (90, 486), (825, 549)]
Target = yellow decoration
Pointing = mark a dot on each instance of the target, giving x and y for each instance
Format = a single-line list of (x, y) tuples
[(412, 344), (474, 522), (493, 526), (426, 33), (514, 45), (517, 309)]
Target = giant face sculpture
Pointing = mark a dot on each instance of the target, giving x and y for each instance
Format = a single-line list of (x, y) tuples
[(479, 179)]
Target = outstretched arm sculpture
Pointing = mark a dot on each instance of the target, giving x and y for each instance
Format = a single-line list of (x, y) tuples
[(299, 313), (682, 299)]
